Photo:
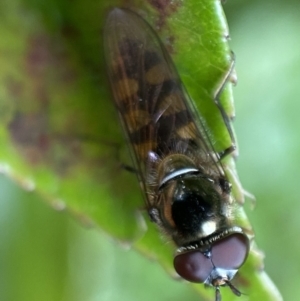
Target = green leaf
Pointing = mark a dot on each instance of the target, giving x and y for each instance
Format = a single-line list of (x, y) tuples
[(59, 131)]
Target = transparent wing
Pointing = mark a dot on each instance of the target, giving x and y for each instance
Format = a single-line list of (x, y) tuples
[(157, 115)]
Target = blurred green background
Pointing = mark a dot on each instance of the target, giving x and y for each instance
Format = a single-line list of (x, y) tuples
[(46, 253)]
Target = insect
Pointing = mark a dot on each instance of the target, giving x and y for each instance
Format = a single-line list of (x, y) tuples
[(186, 190)]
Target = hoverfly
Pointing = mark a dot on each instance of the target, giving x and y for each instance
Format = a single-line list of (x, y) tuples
[(186, 190)]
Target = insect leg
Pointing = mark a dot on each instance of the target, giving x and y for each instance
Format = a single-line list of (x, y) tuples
[(226, 118), (114, 149), (122, 165), (128, 168)]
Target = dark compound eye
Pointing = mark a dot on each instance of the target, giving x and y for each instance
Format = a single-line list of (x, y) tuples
[(193, 266), (230, 252), (227, 254)]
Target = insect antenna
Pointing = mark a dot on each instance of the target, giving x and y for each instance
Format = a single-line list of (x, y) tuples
[(218, 294), (233, 289)]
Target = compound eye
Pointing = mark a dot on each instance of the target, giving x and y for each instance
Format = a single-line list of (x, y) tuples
[(193, 266), (230, 252)]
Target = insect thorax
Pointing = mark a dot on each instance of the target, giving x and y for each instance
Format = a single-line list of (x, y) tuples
[(190, 204)]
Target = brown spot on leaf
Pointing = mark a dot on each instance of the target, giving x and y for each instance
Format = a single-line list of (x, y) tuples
[(165, 8), (15, 88), (160, 4), (46, 66), (29, 134), (38, 129), (39, 56)]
